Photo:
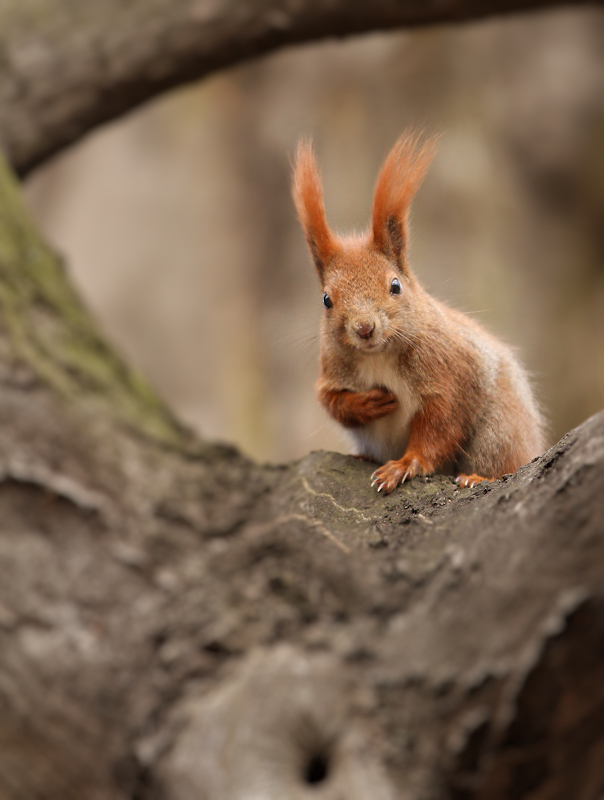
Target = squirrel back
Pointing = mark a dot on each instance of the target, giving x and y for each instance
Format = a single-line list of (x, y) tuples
[(419, 385)]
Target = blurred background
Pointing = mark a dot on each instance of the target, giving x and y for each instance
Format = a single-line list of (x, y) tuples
[(178, 227)]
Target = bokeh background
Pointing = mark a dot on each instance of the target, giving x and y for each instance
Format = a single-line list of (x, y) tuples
[(178, 227)]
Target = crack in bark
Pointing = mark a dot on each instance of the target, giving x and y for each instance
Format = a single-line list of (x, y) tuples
[(54, 483), (308, 488)]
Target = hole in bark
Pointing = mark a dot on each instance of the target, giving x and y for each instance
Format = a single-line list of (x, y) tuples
[(317, 769)]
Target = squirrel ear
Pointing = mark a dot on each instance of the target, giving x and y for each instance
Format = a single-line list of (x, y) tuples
[(308, 197), (397, 183)]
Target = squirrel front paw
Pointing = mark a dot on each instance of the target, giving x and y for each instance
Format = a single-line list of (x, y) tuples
[(363, 407), (353, 409), (392, 473)]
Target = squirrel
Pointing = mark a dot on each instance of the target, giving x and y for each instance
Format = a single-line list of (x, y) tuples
[(421, 387)]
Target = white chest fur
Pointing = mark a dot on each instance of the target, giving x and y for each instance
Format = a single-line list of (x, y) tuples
[(386, 438)]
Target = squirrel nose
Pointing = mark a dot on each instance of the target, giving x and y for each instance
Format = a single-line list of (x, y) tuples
[(364, 329)]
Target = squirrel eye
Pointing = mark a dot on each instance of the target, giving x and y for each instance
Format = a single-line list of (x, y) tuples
[(327, 301), (395, 286)]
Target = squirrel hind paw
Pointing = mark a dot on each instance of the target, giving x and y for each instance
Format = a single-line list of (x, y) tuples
[(392, 473), (469, 481)]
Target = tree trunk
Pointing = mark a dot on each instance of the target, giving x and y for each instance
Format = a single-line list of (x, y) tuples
[(177, 622)]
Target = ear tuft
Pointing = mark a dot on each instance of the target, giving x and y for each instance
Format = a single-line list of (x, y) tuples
[(397, 183), (308, 197)]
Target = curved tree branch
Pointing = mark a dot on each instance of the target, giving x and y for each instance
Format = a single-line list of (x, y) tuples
[(67, 66)]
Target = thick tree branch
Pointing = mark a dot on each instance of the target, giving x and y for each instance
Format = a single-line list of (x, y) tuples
[(68, 66)]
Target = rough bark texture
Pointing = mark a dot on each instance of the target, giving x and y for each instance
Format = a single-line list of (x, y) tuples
[(177, 622), (68, 66)]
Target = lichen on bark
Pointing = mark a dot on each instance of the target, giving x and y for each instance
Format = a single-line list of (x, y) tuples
[(50, 329)]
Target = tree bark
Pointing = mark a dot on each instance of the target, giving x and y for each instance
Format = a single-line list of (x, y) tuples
[(178, 622), (68, 66)]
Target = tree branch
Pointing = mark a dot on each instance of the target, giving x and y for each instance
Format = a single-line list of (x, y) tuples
[(67, 67)]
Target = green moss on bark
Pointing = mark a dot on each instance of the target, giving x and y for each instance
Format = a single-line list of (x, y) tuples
[(49, 328)]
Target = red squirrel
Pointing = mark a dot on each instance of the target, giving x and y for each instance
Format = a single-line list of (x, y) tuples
[(419, 385)]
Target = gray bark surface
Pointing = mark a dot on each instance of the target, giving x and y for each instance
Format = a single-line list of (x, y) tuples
[(67, 66), (178, 622)]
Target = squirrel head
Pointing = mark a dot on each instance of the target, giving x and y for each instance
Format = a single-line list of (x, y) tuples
[(368, 286)]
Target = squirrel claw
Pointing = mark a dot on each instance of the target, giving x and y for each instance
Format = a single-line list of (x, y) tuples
[(470, 481), (392, 473)]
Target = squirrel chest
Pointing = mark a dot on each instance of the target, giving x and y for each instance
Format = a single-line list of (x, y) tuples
[(386, 438)]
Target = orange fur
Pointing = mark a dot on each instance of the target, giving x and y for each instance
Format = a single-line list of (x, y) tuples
[(397, 183), (308, 197), (436, 432), (420, 387), (353, 409)]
